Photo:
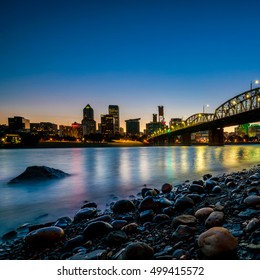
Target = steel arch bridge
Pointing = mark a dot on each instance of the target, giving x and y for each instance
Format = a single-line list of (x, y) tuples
[(240, 109)]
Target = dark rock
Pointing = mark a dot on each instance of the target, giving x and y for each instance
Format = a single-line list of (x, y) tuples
[(89, 205), (187, 220), (74, 242), (85, 213), (123, 206), (116, 238), (170, 211), (252, 225), (198, 182), (206, 176), (118, 224), (96, 255), (35, 173), (249, 213), (144, 191), (195, 197), (63, 222), (195, 188), (166, 188), (163, 202), (146, 215), (9, 235), (152, 192), (130, 228), (183, 203), (103, 218), (97, 229), (217, 189), (148, 203), (231, 184), (135, 251), (44, 236), (178, 253), (183, 233), (252, 200), (215, 219), (209, 185), (159, 218)]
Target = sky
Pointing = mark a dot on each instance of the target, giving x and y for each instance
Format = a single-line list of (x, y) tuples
[(58, 56)]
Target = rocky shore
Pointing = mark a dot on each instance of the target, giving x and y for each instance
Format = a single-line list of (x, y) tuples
[(215, 217)]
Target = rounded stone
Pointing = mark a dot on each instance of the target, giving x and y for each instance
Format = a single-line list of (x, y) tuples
[(89, 205), (203, 213), (136, 251), (183, 233), (118, 224), (209, 185), (183, 203), (216, 189), (45, 236), (85, 213), (196, 188), (148, 203), (252, 200), (187, 220), (130, 228), (97, 229), (159, 218), (123, 206), (147, 215), (215, 219), (166, 188), (217, 241), (116, 238)]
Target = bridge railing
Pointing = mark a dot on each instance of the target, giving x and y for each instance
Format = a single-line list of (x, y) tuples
[(241, 103)]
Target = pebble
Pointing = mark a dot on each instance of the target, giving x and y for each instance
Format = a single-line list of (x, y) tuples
[(215, 219), (123, 206), (135, 251), (216, 242), (44, 236), (203, 213)]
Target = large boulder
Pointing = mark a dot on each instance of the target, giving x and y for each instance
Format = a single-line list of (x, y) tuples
[(35, 173)]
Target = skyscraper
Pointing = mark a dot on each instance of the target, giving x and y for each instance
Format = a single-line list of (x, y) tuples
[(133, 126), (107, 124), (114, 111), (88, 122)]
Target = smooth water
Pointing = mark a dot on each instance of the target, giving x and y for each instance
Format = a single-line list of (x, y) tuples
[(100, 174)]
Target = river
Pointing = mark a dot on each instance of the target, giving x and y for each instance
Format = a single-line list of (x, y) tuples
[(102, 174)]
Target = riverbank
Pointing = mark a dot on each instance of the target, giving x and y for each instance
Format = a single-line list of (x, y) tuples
[(74, 144), (214, 217)]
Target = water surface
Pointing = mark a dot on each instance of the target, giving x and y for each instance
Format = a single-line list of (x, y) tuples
[(100, 174)]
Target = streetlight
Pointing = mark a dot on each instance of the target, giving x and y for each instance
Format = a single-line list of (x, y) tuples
[(253, 82), (205, 106)]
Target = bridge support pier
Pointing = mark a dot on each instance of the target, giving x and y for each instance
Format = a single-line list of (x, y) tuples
[(186, 139), (216, 137)]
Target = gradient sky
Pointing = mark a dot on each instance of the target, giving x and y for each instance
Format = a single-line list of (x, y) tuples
[(58, 56)]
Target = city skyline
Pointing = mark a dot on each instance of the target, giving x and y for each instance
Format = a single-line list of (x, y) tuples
[(58, 56)]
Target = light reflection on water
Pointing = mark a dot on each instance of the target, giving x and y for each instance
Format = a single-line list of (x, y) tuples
[(100, 173)]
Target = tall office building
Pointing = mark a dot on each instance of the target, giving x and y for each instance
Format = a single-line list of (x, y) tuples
[(107, 124), (88, 122), (114, 111), (133, 126)]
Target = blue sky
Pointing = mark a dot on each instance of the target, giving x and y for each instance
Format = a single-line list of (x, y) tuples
[(58, 56)]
